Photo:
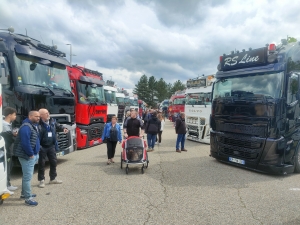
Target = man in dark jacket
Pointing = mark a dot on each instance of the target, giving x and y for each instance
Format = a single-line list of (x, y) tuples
[(152, 129), (133, 125), (26, 148), (49, 146), (180, 129), (9, 138)]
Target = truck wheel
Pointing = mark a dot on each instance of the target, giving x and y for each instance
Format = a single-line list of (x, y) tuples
[(297, 162)]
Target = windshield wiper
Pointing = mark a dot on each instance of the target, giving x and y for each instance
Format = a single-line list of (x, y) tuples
[(38, 85), (60, 88)]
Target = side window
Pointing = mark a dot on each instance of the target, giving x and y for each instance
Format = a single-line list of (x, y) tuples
[(293, 88), (5, 73)]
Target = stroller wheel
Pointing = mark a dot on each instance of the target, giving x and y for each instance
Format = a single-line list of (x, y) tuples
[(121, 161), (127, 170), (143, 169)]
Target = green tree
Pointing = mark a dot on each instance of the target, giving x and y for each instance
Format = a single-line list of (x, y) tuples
[(169, 90), (291, 39), (152, 90), (161, 90), (142, 89), (177, 86)]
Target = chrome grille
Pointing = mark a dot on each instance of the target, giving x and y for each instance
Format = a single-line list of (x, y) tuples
[(202, 121), (63, 140)]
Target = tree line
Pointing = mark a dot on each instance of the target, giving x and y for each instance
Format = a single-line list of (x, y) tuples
[(149, 88)]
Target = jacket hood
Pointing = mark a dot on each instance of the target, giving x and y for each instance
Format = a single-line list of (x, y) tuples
[(26, 121)]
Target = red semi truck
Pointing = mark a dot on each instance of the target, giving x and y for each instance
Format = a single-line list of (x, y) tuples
[(91, 108), (176, 104)]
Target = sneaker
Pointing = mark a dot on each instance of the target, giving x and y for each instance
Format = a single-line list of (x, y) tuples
[(30, 202), (177, 150), (55, 181), (9, 192), (149, 149), (12, 188), (42, 184), (184, 150), (32, 196)]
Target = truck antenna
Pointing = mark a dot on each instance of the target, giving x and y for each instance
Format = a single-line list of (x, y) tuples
[(42, 38)]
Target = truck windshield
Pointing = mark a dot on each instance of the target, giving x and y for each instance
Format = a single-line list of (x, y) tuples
[(31, 72), (89, 93), (179, 101), (268, 85), (198, 99), (120, 100), (110, 96)]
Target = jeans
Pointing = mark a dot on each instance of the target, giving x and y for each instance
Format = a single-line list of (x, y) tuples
[(27, 169), (180, 139), (111, 148), (151, 138), (51, 154)]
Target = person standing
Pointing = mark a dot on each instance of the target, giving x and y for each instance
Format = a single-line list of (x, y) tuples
[(26, 148), (112, 132), (9, 138), (49, 146), (180, 129), (162, 120), (152, 129), (133, 125)]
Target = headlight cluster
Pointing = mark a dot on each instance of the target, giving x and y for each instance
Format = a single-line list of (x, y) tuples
[(83, 131), (192, 120)]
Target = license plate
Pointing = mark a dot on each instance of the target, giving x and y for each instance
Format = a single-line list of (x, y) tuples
[(60, 153), (239, 161), (96, 142)]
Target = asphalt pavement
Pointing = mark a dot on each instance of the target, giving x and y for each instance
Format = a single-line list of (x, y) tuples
[(177, 188)]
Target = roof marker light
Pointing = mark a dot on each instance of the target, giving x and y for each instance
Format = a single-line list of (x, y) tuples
[(272, 48), (221, 58)]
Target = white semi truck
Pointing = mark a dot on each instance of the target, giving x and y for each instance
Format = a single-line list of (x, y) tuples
[(110, 97), (198, 108)]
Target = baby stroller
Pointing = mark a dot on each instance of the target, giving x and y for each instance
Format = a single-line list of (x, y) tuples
[(134, 152)]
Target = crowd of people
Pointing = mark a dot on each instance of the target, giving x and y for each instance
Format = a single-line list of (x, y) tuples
[(33, 142), (36, 140)]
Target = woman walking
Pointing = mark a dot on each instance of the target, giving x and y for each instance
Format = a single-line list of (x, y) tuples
[(152, 128), (112, 133), (162, 120)]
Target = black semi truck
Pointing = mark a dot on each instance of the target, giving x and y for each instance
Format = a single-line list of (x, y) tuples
[(36, 77), (255, 117)]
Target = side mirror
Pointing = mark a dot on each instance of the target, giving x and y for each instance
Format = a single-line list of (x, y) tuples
[(3, 70)]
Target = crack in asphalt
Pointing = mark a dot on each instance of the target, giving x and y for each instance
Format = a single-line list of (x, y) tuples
[(162, 177), (244, 205)]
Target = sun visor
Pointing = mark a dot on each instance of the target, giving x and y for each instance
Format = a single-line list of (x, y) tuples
[(31, 51), (92, 80)]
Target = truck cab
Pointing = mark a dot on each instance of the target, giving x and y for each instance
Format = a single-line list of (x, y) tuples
[(131, 102), (198, 107), (36, 77), (121, 107), (91, 108), (111, 100), (176, 104), (255, 117)]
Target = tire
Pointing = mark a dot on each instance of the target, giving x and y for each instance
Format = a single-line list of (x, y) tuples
[(121, 161), (127, 170), (147, 162), (297, 162), (143, 169)]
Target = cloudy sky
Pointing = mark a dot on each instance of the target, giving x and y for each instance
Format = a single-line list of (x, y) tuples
[(173, 39)]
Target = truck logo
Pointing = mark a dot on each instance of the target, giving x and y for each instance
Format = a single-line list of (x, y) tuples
[(195, 110), (100, 111)]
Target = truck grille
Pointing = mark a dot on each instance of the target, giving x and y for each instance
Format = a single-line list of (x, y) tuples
[(96, 132), (63, 140), (202, 121), (192, 127), (240, 145), (242, 128)]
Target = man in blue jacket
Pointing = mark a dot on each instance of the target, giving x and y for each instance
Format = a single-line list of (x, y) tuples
[(26, 148)]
